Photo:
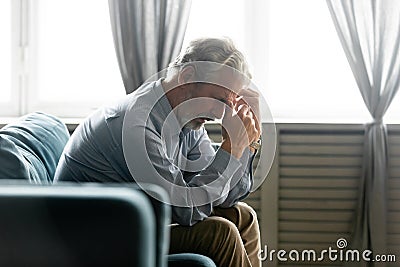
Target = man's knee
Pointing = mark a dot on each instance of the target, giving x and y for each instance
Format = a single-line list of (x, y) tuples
[(224, 229), (246, 212), (212, 232), (226, 246)]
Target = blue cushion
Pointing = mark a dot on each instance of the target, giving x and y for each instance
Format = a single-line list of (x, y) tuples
[(189, 259), (14, 165), (31, 147)]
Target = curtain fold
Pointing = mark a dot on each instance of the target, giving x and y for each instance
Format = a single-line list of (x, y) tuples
[(148, 34), (370, 36)]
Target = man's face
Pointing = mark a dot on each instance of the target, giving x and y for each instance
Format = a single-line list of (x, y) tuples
[(206, 102)]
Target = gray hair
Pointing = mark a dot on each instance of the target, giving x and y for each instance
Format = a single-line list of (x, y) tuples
[(218, 50)]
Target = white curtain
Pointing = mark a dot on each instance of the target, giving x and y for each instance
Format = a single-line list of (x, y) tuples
[(148, 34), (370, 35)]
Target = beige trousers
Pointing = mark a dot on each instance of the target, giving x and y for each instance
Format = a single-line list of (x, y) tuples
[(230, 237)]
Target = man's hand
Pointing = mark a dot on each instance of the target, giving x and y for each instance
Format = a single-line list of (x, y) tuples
[(241, 124), (252, 98)]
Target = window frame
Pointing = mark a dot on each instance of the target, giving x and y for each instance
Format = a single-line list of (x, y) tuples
[(12, 107)]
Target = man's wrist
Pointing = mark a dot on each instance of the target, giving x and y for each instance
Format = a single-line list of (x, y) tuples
[(252, 150), (237, 152), (255, 145)]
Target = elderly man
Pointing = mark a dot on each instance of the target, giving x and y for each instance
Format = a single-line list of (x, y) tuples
[(156, 135)]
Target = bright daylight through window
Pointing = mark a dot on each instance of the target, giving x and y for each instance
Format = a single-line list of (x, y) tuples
[(77, 69), (304, 74), (309, 76), (71, 68), (5, 52)]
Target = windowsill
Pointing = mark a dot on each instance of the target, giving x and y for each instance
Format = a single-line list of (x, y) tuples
[(73, 122), (331, 121)]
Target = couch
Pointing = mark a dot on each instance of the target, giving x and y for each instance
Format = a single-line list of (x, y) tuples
[(74, 224)]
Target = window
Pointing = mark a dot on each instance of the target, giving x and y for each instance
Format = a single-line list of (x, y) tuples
[(295, 54), (76, 68), (6, 93), (229, 23), (309, 77), (65, 61), (5, 48), (58, 56)]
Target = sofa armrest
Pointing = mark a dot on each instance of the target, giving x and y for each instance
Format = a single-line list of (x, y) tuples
[(162, 211), (73, 225), (159, 200)]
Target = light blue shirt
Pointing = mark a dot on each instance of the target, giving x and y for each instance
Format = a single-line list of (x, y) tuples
[(95, 153)]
